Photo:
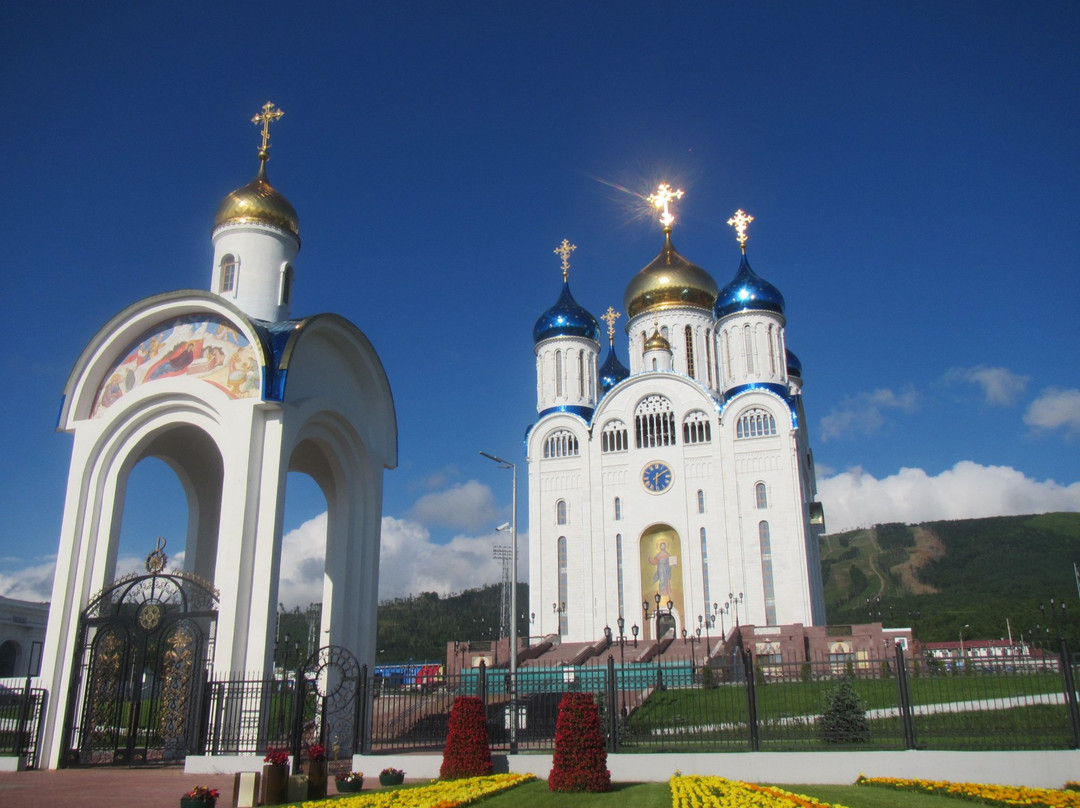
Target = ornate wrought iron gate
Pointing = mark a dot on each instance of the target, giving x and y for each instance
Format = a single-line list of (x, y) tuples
[(145, 646), (333, 698)]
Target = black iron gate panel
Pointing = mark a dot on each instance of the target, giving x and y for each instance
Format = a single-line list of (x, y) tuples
[(145, 644)]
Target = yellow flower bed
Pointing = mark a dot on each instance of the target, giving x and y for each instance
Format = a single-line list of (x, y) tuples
[(449, 794), (717, 792), (1000, 795)]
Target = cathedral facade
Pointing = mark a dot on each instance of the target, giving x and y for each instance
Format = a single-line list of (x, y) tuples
[(681, 489)]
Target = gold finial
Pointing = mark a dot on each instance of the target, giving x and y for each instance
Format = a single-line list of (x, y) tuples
[(610, 316), (267, 115), (739, 221), (660, 201), (564, 250)]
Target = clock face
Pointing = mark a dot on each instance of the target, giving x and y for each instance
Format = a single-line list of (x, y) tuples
[(656, 477)]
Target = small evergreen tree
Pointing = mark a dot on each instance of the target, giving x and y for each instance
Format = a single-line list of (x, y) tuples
[(468, 749), (580, 761), (844, 718)]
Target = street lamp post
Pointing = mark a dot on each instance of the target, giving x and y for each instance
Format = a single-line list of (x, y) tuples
[(966, 625), (506, 464)]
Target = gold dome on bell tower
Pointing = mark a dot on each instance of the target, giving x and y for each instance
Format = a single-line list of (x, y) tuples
[(259, 202)]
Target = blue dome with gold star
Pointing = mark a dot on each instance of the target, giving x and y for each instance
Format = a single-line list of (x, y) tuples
[(748, 292), (566, 319), (612, 371)]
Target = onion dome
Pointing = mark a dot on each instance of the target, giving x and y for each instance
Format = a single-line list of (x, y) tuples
[(612, 371), (748, 292), (657, 342), (794, 366), (258, 202), (670, 281), (566, 319)]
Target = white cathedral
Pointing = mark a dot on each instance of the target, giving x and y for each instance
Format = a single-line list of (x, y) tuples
[(684, 483)]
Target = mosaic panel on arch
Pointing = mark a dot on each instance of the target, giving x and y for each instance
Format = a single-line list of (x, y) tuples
[(199, 346)]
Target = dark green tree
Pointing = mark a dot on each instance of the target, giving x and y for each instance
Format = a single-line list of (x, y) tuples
[(844, 717)]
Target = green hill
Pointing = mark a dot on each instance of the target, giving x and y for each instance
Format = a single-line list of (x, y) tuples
[(940, 576)]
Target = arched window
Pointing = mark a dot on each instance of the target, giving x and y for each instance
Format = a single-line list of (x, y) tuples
[(228, 273), (772, 350), (767, 573), (613, 437), (748, 348), (560, 512), (688, 335), (618, 509), (618, 558), (696, 428), (700, 501), (581, 374), (558, 375), (561, 443), (654, 423), (708, 357), (564, 626), (286, 284), (761, 497), (755, 423), (705, 567)]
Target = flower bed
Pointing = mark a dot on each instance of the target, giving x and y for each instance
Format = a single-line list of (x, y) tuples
[(978, 792), (718, 792), (450, 794)]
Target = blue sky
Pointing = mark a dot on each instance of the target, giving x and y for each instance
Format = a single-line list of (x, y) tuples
[(913, 170)]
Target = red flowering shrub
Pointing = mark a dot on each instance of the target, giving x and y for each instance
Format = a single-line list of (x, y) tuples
[(468, 751), (580, 762)]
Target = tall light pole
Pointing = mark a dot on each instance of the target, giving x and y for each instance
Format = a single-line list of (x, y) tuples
[(506, 464)]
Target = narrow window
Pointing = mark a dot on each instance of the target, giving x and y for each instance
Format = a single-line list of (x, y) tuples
[(688, 334), (748, 347), (228, 273), (705, 566), (760, 496), (700, 501), (564, 626), (286, 284), (708, 357), (581, 374), (767, 573), (558, 375), (618, 558), (560, 512), (618, 509)]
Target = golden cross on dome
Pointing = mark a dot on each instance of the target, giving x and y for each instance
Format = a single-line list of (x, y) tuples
[(739, 221), (660, 201), (610, 316), (267, 115), (564, 250)]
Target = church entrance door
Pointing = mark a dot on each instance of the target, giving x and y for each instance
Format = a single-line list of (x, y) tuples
[(145, 644)]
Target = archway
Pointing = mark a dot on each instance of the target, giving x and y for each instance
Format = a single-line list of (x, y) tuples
[(661, 579)]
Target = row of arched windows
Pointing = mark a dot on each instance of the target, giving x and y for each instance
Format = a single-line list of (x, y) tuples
[(755, 423), (228, 278), (562, 443)]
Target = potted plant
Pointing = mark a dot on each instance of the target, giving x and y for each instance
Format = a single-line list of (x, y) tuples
[(275, 777), (316, 771), (391, 777), (200, 797), (349, 782)]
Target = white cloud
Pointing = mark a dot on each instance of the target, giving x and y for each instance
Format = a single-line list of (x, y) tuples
[(1055, 408), (999, 385), (33, 583), (966, 491), (863, 414), (469, 506)]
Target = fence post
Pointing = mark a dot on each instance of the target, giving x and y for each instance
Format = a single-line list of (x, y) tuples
[(481, 685), (903, 687), (298, 720), (360, 720), (1070, 691), (612, 699), (751, 701)]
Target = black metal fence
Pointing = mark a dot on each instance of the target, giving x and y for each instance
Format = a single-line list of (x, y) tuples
[(21, 713)]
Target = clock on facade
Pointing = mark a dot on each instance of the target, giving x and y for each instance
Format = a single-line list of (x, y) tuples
[(656, 477)]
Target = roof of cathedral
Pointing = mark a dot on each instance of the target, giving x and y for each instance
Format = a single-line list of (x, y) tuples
[(566, 319), (259, 202), (612, 371), (748, 292), (669, 281), (794, 366)]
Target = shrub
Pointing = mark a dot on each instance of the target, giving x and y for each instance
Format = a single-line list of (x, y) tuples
[(806, 673), (468, 750), (844, 718), (708, 678), (580, 762)]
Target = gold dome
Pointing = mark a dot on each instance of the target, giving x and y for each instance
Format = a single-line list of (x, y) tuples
[(258, 201), (670, 281), (657, 342)]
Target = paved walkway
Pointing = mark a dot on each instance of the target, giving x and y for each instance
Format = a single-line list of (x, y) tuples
[(110, 788)]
